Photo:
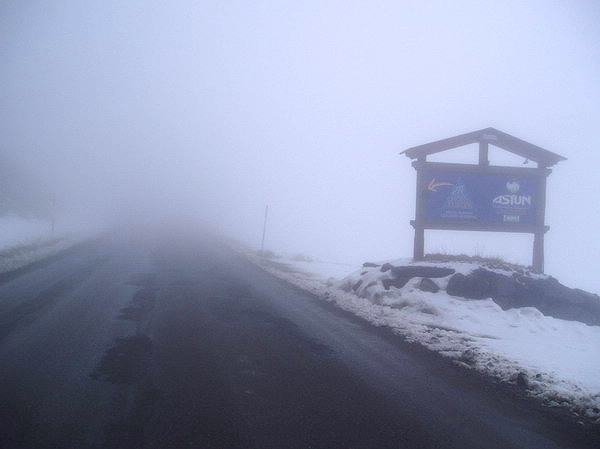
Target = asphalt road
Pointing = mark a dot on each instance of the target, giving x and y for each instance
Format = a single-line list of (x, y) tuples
[(136, 342)]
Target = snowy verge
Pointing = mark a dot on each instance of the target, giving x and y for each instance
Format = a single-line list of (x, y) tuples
[(555, 360), (18, 256), (25, 241)]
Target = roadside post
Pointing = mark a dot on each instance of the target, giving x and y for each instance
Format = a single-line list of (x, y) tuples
[(53, 214), (482, 197), (262, 243)]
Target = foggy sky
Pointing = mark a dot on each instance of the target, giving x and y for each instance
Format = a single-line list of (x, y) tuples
[(213, 109)]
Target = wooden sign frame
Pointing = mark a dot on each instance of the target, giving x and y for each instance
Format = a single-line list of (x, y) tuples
[(543, 158)]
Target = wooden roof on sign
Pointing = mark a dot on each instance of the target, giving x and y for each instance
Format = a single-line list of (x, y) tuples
[(493, 137)]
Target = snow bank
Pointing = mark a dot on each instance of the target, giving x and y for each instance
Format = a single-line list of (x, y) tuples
[(554, 359), (15, 230), (24, 241)]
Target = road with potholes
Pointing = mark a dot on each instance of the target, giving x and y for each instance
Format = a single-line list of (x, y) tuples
[(136, 341)]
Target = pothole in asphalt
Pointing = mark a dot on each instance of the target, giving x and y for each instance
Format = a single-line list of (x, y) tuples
[(147, 280), (142, 303), (126, 362)]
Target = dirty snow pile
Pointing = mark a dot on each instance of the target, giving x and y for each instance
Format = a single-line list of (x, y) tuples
[(554, 359)]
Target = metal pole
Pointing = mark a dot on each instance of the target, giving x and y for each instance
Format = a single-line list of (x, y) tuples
[(52, 214), (262, 244)]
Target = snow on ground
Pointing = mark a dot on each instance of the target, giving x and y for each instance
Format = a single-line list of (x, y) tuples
[(15, 230), (316, 269), (24, 241), (560, 359)]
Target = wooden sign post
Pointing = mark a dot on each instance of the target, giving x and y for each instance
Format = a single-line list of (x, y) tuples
[(482, 197)]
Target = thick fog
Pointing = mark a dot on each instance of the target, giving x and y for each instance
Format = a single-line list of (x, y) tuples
[(208, 111)]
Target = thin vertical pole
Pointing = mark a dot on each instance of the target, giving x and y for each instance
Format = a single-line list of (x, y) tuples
[(262, 244), (52, 214)]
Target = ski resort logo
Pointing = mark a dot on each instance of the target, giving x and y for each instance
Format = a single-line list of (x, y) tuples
[(512, 199), (459, 197), (513, 186)]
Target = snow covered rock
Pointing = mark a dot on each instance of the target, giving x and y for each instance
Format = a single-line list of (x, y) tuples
[(427, 285), (510, 291), (508, 288), (481, 284), (391, 282), (386, 267), (418, 271)]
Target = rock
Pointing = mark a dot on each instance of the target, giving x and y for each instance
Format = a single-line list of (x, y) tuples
[(547, 295), (522, 380), (370, 265), (386, 267), (357, 285), (554, 299), (462, 364), (427, 285), (469, 287), (468, 356), (421, 272), (398, 283), (401, 275), (481, 284)]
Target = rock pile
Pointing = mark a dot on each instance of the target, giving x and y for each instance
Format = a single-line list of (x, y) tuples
[(509, 289)]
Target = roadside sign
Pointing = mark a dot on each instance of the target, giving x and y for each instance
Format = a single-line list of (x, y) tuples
[(482, 197), (461, 197)]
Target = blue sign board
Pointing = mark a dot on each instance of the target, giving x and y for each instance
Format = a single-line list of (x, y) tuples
[(467, 197)]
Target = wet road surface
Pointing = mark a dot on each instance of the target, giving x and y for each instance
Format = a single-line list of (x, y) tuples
[(133, 342)]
